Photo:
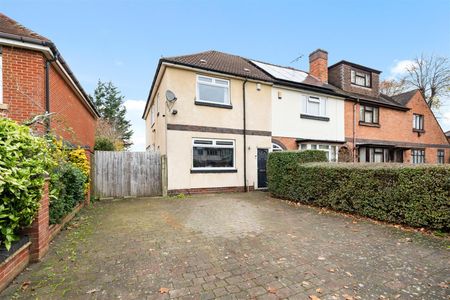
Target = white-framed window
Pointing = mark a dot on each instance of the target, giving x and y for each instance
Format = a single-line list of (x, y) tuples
[(418, 156), (330, 150), (1, 76), (213, 90), (212, 154), (276, 147), (316, 106), (359, 78), (153, 114), (441, 156), (418, 122)]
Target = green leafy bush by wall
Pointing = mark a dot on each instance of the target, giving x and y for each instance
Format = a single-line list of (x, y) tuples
[(418, 196), (281, 165), (104, 144), (67, 182), (24, 162)]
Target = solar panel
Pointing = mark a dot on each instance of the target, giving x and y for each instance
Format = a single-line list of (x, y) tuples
[(282, 73)]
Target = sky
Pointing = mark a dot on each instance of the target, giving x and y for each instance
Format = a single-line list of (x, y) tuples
[(122, 41)]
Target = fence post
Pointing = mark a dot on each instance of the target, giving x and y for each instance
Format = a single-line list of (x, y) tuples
[(164, 175), (39, 232)]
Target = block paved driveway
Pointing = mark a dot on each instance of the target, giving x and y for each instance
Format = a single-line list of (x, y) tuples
[(233, 246)]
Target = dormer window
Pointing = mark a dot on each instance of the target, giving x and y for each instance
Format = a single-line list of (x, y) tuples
[(361, 79)]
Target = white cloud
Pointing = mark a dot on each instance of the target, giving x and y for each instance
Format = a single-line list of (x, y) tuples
[(400, 67), (135, 109), (135, 105)]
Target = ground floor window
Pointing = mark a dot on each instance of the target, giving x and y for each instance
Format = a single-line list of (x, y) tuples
[(213, 154), (330, 150), (440, 156), (276, 147), (418, 156), (373, 154)]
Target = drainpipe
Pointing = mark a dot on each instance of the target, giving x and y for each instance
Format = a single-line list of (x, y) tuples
[(354, 128), (245, 135), (47, 91)]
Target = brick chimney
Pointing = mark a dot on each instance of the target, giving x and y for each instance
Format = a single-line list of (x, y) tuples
[(318, 64)]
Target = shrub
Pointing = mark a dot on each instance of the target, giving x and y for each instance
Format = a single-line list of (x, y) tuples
[(280, 167), (67, 182), (104, 144), (79, 159), (414, 195), (23, 164)]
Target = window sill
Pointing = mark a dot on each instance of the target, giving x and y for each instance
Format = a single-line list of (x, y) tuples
[(195, 171), (228, 106), (317, 118), (369, 124), (418, 130)]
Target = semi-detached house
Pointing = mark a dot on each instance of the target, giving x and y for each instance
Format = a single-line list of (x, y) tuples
[(216, 116)]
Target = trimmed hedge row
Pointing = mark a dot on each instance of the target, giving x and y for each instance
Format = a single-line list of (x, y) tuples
[(418, 196)]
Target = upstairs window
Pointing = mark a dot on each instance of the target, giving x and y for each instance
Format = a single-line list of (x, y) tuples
[(440, 156), (315, 106), (369, 114), (213, 90), (418, 122), (213, 154), (359, 78), (418, 156)]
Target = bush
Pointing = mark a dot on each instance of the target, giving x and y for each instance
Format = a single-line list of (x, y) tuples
[(413, 195), (280, 167), (103, 144), (23, 164), (79, 159), (67, 182)]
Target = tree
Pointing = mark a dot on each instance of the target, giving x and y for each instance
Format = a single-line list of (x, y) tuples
[(393, 87), (109, 103), (431, 75)]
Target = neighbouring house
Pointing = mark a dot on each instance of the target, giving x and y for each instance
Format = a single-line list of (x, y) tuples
[(447, 134), (216, 116), (35, 79)]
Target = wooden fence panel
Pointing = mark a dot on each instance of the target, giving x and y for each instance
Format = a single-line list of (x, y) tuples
[(127, 174)]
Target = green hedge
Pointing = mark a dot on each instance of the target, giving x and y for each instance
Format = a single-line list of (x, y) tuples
[(418, 196), (67, 182), (281, 165)]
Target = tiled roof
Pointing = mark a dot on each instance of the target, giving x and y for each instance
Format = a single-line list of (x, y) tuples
[(10, 26), (381, 99), (404, 98), (447, 133), (221, 62)]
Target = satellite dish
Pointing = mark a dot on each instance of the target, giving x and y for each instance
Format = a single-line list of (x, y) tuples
[(170, 96)]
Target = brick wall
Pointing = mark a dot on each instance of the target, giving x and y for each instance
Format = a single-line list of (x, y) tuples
[(24, 94), (23, 83), (73, 120), (288, 143), (396, 126), (13, 265)]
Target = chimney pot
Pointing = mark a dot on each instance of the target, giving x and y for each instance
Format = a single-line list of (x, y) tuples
[(318, 64)]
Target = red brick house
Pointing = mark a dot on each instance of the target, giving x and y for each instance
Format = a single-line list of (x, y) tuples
[(34, 79)]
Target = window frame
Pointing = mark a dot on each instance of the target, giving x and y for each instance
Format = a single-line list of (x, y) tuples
[(441, 155), (330, 149), (366, 76), (369, 108), (321, 102), (418, 158), (276, 147), (421, 123), (214, 84), (213, 144)]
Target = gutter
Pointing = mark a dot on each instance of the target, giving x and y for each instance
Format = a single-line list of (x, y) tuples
[(56, 58)]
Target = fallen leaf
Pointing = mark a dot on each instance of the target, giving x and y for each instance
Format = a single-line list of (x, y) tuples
[(321, 258), (319, 290), (443, 285), (25, 285), (314, 297), (92, 291), (305, 283), (272, 290), (348, 297), (349, 274), (397, 296), (163, 290), (332, 270)]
